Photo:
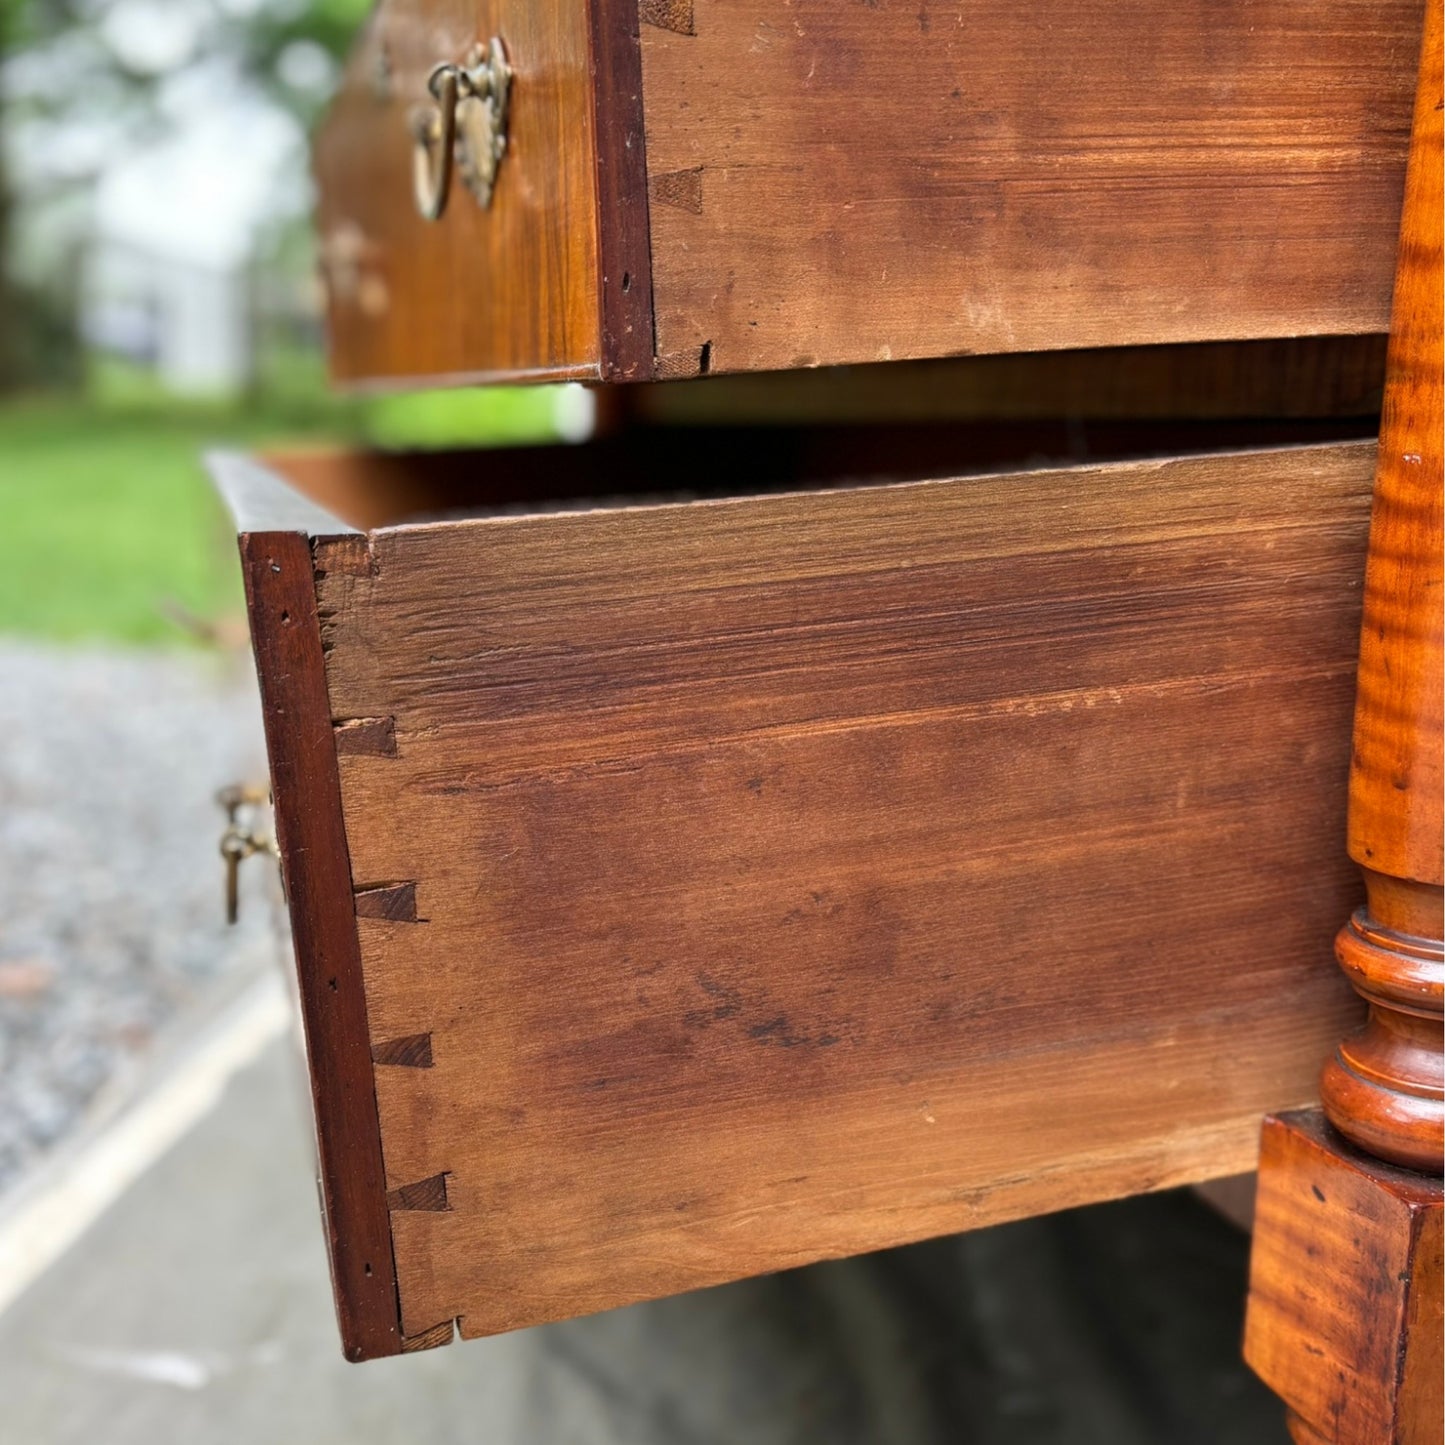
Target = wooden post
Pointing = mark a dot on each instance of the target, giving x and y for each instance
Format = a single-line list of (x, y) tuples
[(1344, 1319)]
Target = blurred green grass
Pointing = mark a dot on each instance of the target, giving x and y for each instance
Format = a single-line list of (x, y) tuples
[(109, 529), (105, 522)]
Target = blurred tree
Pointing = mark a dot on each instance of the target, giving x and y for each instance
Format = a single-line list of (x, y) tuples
[(294, 52), (92, 78), (9, 299), (32, 338)]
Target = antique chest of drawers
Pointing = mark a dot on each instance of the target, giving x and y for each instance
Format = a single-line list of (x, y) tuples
[(834, 808), (693, 186)]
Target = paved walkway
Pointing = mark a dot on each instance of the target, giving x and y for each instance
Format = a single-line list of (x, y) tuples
[(196, 1309), (110, 882)]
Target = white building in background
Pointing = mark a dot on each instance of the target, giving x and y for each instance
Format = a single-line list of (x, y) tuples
[(167, 277), (190, 323)]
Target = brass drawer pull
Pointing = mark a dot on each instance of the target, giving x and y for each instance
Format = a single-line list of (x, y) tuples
[(467, 126), (243, 837), (434, 130)]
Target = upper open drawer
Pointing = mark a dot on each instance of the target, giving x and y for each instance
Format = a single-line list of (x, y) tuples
[(735, 185)]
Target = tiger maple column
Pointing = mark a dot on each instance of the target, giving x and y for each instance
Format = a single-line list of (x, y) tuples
[(1383, 1088), (1345, 1317)]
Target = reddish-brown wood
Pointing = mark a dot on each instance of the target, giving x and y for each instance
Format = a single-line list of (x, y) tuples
[(839, 182), (377, 489), (623, 240), (1344, 1318), (790, 876), (376, 735), (511, 291), (411, 1052), (286, 635), (1385, 1088), (758, 185)]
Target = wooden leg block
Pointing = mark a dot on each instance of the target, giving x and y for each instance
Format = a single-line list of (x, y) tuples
[(1344, 1319)]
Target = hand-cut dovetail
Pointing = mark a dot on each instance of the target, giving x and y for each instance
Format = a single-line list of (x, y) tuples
[(682, 189), (677, 365), (411, 1052), (349, 556), (668, 15), (426, 1194), (395, 902), (438, 1335), (367, 736)]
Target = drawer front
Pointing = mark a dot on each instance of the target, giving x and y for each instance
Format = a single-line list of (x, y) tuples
[(509, 291), (846, 183), (743, 883)]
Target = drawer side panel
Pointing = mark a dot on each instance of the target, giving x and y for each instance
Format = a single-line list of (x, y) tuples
[(839, 183), (779, 879)]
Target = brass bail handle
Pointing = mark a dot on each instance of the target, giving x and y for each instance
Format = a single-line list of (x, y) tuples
[(434, 131), (466, 129), (242, 838)]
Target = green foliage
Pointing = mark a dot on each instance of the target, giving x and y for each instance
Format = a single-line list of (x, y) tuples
[(262, 40), (111, 529), (476, 416), (108, 522), (109, 526), (93, 87), (39, 346)]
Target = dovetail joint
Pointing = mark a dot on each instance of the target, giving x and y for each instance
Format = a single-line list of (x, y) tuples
[(674, 15), (425, 1195), (681, 189), (411, 1052), (393, 902), (366, 736)]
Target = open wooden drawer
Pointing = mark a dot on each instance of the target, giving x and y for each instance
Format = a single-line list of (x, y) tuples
[(698, 186), (690, 887)]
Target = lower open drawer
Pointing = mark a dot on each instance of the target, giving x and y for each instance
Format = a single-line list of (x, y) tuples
[(685, 888)]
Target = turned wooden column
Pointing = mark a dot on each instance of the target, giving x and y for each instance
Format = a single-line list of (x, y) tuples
[(1382, 1090), (1344, 1318)]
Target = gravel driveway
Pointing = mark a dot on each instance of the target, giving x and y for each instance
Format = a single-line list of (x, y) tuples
[(110, 880)]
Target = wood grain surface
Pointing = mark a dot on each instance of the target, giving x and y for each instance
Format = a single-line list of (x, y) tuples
[(1344, 1318), (369, 489), (511, 291), (799, 875), (1344, 1315), (863, 182), (285, 633), (623, 238), (1385, 1089), (1397, 781)]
